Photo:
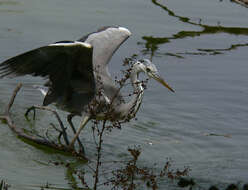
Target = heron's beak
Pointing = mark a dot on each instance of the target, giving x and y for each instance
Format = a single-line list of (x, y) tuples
[(161, 80)]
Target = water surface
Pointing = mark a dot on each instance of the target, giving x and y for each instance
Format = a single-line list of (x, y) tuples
[(200, 47)]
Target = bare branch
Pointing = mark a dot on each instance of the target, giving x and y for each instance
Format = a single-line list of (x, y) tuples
[(12, 99), (57, 117), (241, 2), (38, 140)]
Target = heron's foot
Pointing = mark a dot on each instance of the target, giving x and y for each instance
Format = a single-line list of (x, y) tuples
[(28, 111), (81, 149), (59, 131), (71, 146), (30, 136)]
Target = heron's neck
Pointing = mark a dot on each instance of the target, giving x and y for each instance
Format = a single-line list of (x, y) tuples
[(134, 104)]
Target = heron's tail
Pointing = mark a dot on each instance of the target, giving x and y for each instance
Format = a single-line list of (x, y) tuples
[(42, 89)]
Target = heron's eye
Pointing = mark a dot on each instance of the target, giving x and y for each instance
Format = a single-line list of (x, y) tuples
[(148, 70)]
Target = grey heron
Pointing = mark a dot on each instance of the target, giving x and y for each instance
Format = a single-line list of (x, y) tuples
[(77, 70)]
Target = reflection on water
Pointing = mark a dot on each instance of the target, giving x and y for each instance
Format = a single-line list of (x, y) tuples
[(6, 7), (219, 51), (152, 43), (8, 3)]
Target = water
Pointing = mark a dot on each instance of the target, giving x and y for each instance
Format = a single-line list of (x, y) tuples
[(200, 47)]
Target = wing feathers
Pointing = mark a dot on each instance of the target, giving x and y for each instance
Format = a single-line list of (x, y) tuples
[(62, 63), (47, 61), (105, 42), (69, 66)]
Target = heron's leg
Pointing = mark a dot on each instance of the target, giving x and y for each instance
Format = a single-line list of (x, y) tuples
[(82, 125), (69, 120)]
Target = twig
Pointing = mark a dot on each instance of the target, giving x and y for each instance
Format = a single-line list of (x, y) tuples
[(60, 132), (99, 148), (241, 2), (21, 133), (12, 99), (57, 117)]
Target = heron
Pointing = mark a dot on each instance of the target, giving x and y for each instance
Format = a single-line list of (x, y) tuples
[(77, 70)]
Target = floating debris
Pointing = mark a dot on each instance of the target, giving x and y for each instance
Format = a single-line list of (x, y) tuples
[(218, 135)]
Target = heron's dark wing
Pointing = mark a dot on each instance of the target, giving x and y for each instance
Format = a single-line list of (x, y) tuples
[(105, 42), (68, 65)]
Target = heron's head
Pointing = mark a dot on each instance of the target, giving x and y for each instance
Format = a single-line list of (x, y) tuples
[(150, 69)]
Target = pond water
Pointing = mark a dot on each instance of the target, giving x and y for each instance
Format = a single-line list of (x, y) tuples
[(200, 47)]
